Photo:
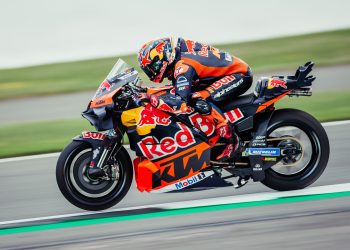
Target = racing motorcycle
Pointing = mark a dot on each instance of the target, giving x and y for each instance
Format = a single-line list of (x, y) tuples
[(285, 149)]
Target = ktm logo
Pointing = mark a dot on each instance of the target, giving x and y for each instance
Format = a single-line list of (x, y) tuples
[(181, 167)]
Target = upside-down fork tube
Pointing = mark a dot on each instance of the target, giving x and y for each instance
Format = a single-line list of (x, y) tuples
[(102, 146)]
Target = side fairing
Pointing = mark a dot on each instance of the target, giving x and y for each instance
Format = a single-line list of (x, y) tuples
[(169, 150)]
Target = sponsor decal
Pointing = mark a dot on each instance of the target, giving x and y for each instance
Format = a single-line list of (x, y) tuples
[(204, 50), (145, 61), (228, 57), (225, 132), (95, 153), (257, 167), (262, 151), (234, 115), (260, 137), (269, 159), (228, 89), (154, 100), (165, 107), (183, 88), (160, 47), (223, 81), (181, 81), (188, 182), (152, 116), (202, 123), (153, 149), (275, 83), (100, 102), (182, 165), (94, 135), (180, 68), (190, 47), (105, 86), (259, 141)]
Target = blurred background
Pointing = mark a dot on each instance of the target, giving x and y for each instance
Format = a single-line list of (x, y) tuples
[(54, 55)]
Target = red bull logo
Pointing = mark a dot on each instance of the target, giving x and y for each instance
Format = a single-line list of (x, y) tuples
[(160, 47), (275, 83), (145, 61), (153, 149), (152, 116), (105, 86)]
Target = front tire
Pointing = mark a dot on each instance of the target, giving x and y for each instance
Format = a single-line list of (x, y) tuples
[(303, 177), (83, 192)]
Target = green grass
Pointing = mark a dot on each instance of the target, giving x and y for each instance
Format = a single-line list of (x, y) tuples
[(326, 48), (51, 136)]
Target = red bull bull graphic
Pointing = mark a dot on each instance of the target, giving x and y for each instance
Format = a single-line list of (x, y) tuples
[(105, 86), (275, 83), (152, 116)]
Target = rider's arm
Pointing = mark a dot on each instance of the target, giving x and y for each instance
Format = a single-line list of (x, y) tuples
[(184, 75)]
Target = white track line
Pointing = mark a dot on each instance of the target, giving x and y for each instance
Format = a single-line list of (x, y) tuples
[(34, 157), (336, 123), (202, 202), (41, 156), (29, 157)]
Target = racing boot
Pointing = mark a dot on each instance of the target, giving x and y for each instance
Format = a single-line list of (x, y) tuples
[(234, 143)]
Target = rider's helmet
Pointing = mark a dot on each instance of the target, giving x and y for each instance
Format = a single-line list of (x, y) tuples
[(155, 56)]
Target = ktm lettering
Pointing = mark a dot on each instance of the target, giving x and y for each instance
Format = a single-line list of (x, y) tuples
[(153, 149), (182, 167)]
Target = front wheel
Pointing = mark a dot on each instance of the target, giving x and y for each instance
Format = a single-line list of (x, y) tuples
[(310, 142), (84, 192)]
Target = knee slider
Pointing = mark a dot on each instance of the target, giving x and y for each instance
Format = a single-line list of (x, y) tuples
[(203, 107)]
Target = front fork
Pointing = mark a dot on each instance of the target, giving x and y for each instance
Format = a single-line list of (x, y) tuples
[(103, 145)]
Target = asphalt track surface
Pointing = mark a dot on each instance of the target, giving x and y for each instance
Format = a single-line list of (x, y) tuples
[(70, 106), (28, 189)]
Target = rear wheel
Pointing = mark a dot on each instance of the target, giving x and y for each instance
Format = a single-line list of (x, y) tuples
[(85, 192), (309, 149)]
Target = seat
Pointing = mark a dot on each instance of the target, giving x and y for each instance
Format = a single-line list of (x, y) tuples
[(236, 102)]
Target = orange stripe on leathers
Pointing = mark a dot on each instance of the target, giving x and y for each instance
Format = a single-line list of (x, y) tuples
[(203, 71)]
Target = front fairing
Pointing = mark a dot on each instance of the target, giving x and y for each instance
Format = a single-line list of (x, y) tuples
[(100, 111)]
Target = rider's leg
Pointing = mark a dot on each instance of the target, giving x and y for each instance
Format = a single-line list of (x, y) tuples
[(227, 87)]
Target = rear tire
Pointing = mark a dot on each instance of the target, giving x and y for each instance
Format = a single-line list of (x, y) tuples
[(75, 186), (320, 154)]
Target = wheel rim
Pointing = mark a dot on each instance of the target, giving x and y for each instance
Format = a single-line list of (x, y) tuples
[(85, 185), (304, 141)]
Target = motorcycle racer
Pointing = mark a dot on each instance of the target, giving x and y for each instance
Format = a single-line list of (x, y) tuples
[(201, 76)]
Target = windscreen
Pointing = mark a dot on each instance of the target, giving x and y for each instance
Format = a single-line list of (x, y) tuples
[(120, 74)]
